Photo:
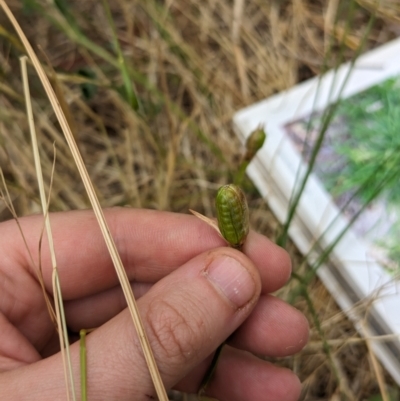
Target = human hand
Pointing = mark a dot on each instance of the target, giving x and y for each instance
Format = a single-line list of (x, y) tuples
[(193, 292)]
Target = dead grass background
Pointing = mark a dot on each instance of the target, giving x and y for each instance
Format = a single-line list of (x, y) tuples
[(194, 65)]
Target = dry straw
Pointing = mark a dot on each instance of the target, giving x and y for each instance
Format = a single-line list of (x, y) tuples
[(159, 387), (60, 316)]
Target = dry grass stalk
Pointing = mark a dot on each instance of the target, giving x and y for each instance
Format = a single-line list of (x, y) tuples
[(377, 368), (60, 316), (160, 390)]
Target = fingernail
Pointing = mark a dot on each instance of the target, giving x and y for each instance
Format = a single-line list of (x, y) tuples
[(232, 279)]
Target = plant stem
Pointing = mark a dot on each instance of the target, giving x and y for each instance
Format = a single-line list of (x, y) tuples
[(82, 345), (327, 118), (209, 374)]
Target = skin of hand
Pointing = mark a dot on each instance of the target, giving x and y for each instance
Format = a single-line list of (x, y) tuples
[(193, 293)]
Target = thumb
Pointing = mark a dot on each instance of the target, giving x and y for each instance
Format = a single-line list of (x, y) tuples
[(186, 315), (193, 310)]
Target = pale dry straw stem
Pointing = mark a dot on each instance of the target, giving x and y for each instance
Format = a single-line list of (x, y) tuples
[(159, 387), (129, 22), (238, 8), (389, 9), (340, 33), (318, 345), (293, 44), (273, 18), (132, 187), (375, 364), (176, 139), (344, 384), (170, 159), (203, 190), (151, 73), (198, 169), (61, 324), (330, 16)]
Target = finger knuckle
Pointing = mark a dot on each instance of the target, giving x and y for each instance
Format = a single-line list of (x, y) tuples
[(175, 338)]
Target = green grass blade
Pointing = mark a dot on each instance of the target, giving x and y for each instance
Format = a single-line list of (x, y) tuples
[(130, 91), (327, 118), (82, 353)]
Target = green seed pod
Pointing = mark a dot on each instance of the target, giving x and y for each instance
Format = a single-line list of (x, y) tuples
[(232, 215), (254, 143)]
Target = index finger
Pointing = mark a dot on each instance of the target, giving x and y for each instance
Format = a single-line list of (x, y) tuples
[(151, 245)]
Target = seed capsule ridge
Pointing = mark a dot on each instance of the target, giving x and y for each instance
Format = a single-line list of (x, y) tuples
[(232, 214)]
